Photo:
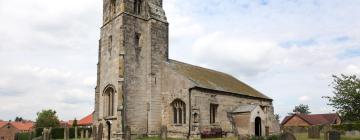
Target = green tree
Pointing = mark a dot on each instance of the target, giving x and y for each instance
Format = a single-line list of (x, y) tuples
[(277, 117), (19, 119), (302, 109), (346, 89), (47, 118), (74, 123)]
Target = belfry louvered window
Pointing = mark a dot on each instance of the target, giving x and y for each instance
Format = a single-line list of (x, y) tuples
[(179, 112)]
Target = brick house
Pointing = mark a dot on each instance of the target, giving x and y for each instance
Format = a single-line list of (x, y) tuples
[(86, 121), (303, 120), (9, 129)]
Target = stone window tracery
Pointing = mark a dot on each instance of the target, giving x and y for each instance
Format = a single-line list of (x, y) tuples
[(109, 102), (179, 112)]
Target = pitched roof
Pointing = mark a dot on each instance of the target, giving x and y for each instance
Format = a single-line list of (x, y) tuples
[(88, 120), (214, 80), (244, 108), (2, 123), (22, 125), (314, 119)]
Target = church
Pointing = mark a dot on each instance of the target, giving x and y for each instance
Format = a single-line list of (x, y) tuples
[(140, 89)]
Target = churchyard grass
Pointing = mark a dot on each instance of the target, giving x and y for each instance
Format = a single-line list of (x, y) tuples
[(304, 136)]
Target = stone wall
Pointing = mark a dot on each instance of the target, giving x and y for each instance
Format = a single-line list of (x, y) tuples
[(201, 100)]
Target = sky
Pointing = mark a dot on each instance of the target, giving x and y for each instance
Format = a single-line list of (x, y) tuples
[(286, 49)]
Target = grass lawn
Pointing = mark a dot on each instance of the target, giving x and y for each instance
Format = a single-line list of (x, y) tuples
[(157, 138), (304, 136)]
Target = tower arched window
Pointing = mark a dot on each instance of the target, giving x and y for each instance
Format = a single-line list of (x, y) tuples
[(109, 102), (137, 6), (179, 112)]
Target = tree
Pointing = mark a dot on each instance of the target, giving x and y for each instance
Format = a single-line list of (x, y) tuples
[(74, 123), (277, 117), (47, 118), (302, 109), (19, 119), (346, 89)]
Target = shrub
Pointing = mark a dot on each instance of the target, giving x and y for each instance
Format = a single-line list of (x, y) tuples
[(57, 133), (347, 127), (38, 132)]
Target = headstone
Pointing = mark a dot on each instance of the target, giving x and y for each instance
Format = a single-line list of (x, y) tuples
[(100, 132), (94, 133), (163, 133), (314, 132), (334, 135), (66, 133), (76, 132), (30, 135), (287, 136), (82, 134), (127, 133), (86, 133), (243, 137)]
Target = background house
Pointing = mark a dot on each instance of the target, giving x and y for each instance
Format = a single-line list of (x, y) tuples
[(303, 120), (9, 129)]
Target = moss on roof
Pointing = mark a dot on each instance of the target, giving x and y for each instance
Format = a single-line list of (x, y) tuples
[(215, 80)]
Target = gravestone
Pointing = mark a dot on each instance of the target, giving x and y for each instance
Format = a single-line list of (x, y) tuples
[(334, 135), (86, 133), (243, 137), (94, 129), (100, 132), (76, 132), (287, 136), (127, 133), (314, 132), (163, 133)]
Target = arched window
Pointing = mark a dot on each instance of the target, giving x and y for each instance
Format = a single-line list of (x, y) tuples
[(179, 112), (109, 102), (137, 6)]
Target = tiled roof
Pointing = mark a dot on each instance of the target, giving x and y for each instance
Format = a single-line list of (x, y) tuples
[(23, 125), (314, 119), (2, 123), (88, 120), (214, 80)]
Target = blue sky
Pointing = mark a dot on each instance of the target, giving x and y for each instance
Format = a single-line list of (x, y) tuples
[(287, 49)]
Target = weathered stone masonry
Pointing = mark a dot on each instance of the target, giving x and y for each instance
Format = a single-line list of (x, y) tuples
[(139, 87)]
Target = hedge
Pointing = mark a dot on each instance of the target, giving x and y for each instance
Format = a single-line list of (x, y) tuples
[(347, 127), (57, 133), (38, 132)]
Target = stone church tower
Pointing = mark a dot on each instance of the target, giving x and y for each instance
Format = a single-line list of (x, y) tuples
[(140, 88), (132, 48)]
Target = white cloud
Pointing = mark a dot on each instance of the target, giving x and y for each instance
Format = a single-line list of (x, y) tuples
[(304, 98)]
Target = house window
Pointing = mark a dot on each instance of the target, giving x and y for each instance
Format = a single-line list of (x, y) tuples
[(179, 112), (109, 102), (137, 6), (213, 112)]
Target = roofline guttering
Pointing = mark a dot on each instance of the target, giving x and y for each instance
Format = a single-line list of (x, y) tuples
[(232, 93)]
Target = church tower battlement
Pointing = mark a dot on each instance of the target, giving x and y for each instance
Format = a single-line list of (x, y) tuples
[(133, 46)]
